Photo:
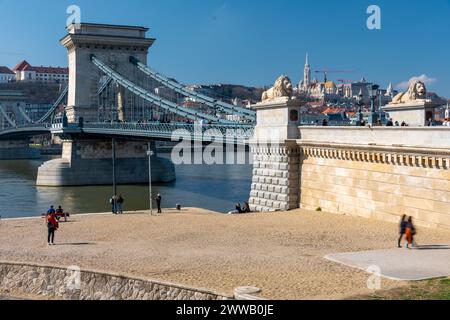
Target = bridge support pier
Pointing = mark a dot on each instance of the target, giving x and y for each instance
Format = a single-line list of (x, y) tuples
[(276, 177), (89, 162), (17, 150)]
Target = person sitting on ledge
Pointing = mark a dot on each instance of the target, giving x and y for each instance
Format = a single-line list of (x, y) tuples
[(60, 213), (446, 122), (246, 208), (238, 209)]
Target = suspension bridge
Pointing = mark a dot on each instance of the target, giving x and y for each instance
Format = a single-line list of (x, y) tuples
[(112, 95)]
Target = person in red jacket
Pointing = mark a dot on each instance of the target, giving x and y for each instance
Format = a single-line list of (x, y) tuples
[(52, 226)]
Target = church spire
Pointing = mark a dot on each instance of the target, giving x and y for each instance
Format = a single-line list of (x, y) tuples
[(307, 73), (390, 89)]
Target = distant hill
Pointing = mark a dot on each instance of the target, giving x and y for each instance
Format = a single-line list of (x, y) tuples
[(36, 92), (230, 91), (47, 93)]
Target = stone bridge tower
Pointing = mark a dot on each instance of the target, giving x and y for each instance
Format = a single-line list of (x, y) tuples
[(113, 45), (87, 159)]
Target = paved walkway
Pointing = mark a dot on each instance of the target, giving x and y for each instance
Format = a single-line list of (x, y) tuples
[(423, 262)]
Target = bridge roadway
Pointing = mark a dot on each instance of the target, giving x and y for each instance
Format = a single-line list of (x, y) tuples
[(230, 134)]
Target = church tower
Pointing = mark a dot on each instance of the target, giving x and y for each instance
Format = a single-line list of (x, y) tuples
[(307, 73), (390, 90)]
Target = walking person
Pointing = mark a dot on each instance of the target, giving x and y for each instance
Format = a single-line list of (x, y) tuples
[(402, 230), (52, 226), (158, 202), (112, 201), (410, 232), (120, 202)]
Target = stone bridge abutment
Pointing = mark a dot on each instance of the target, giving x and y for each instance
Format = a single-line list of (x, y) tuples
[(379, 172)]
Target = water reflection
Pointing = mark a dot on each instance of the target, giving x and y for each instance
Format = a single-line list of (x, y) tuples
[(216, 187)]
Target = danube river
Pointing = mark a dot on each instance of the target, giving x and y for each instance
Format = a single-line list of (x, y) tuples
[(216, 187)]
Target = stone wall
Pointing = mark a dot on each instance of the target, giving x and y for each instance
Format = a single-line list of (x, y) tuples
[(89, 162), (423, 137), (380, 174), (17, 150), (55, 282), (275, 184)]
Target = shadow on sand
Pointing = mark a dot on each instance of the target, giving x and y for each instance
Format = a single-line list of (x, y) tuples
[(76, 244), (432, 247)]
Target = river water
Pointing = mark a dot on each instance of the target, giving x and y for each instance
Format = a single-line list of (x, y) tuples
[(214, 187)]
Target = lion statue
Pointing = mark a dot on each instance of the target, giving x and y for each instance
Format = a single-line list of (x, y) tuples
[(282, 88), (416, 91)]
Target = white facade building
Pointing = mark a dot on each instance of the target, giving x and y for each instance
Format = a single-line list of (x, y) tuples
[(26, 72), (6, 75)]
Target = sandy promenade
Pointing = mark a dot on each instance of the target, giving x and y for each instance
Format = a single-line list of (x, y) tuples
[(282, 253)]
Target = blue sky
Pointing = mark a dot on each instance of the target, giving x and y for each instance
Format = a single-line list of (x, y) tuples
[(251, 41)]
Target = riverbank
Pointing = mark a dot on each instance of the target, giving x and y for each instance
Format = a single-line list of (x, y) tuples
[(214, 187), (281, 253)]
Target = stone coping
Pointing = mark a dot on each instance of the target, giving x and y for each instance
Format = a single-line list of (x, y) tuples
[(359, 128), (121, 276), (376, 147)]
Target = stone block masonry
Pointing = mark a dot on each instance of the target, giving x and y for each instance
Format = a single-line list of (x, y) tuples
[(377, 183), (111, 44), (57, 283), (17, 150), (379, 173), (89, 162), (275, 178)]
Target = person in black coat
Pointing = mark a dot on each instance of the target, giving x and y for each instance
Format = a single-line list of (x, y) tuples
[(158, 202), (403, 224)]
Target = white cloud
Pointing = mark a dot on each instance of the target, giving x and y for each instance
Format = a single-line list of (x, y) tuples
[(424, 78)]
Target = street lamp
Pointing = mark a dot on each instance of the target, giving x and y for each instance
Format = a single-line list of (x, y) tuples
[(373, 91), (113, 142), (360, 103), (150, 153)]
